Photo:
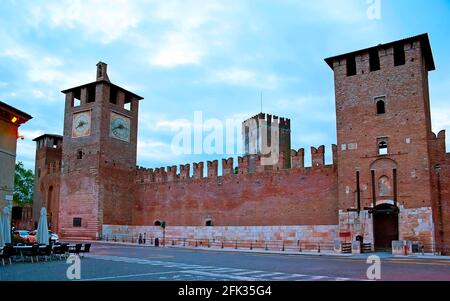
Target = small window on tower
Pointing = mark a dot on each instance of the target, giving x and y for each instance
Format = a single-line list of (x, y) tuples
[(399, 55), (76, 102), (351, 65), (374, 58), (383, 146), (208, 223), (77, 222), (80, 154), (128, 106), (381, 107)]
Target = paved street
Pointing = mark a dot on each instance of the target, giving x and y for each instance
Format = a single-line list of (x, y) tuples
[(116, 262)]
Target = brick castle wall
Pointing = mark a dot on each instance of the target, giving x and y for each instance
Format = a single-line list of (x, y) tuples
[(297, 196)]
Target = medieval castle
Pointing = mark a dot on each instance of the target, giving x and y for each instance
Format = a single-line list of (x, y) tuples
[(389, 181)]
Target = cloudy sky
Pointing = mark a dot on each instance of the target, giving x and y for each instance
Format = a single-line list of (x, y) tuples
[(216, 57)]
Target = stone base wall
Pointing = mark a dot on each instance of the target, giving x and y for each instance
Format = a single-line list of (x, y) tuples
[(415, 224), (308, 236)]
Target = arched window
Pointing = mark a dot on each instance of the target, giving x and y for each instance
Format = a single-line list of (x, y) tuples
[(381, 107), (157, 223), (208, 223)]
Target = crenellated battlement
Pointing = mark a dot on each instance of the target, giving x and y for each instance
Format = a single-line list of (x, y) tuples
[(284, 123), (298, 158), (249, 164)]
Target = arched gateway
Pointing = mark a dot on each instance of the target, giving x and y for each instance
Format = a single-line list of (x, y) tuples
[(385, 226)]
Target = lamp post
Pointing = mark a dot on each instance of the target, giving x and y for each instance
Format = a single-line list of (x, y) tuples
[(163, 226)]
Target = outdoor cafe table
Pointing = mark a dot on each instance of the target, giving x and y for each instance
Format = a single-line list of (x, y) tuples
[(21, 250)]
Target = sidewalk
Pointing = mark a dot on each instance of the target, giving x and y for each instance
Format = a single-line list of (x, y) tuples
[(260, 251)]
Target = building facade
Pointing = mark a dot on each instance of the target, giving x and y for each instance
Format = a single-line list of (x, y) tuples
[(389, 180), (10, 121)]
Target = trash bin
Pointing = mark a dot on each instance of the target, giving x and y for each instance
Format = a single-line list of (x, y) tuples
[(156, 242)]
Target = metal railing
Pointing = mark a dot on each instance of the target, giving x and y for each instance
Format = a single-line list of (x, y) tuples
[(268, 245), (222, 243)]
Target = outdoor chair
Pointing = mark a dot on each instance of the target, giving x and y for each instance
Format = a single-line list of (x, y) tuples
[(76, 250), (46, 252), (7, 252), (87, 248), (34, 253), (61, 250)]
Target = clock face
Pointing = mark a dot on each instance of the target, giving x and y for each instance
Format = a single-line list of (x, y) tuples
[(81, 125), (120, 127)]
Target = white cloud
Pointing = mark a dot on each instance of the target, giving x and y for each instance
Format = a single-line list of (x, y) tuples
[(173, 125), (194, 29), (154, 150), (103, 20), (177, 49), (246, 77), (38, 67)]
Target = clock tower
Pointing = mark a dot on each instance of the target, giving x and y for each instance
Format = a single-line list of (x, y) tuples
[(98, 157)]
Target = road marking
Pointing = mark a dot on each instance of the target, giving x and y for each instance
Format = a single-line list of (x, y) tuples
[(213, 272), (270, 274), (234, 277), (289, 276), (128, 276), (248, 273), (314, 278)]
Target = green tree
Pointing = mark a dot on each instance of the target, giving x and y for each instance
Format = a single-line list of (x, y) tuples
[(23, 185)]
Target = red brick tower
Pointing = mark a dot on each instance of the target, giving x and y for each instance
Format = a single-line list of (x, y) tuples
[(47, 178), (383, 132), (253, 138), (99, 157)]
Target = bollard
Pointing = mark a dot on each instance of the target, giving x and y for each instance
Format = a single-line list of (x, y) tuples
[(196, 244), (299, 247), (184, 242), (251, 245), (173, 242), (209, 245), (283, 247), (235, 247), (318, 249), (267, 247), (222, 244)]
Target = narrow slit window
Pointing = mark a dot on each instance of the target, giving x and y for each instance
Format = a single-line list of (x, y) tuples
[(351, 65), (374, 58), (399, 55), (80, 154)]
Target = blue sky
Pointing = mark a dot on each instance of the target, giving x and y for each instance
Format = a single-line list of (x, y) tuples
[(210, 56)]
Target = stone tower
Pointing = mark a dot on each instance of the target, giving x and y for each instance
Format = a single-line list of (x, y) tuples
[(47, 178), (98, 156), (383, 132), (264, 129)]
